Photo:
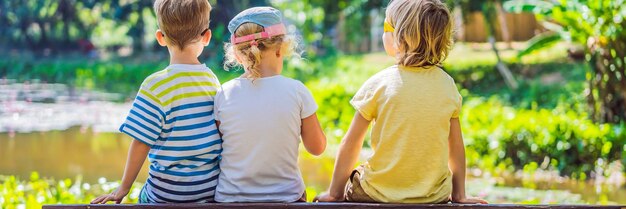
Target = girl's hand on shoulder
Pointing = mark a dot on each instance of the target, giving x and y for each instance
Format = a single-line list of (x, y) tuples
[(117, 196), (468, 200), (326, 197)]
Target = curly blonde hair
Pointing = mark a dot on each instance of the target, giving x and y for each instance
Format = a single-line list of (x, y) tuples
[(423, 31), (250, 54)]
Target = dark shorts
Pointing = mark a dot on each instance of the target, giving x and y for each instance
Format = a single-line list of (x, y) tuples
[(143, 197), (303, 198), (354, 191)]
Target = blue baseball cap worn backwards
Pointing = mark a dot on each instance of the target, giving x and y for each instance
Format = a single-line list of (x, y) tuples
[(269, 18)]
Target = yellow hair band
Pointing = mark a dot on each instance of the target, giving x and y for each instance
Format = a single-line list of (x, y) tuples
[(388, 28)]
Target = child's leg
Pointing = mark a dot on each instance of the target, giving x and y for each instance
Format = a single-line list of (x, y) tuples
[(354, 191)]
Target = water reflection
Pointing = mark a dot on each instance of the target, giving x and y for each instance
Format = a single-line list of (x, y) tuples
[(34, 107), (591, 192), (65, 154)]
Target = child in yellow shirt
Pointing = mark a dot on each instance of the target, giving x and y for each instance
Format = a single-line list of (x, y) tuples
[(418, 152)]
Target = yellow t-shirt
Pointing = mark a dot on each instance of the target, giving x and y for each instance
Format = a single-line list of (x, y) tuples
[(411, 109)]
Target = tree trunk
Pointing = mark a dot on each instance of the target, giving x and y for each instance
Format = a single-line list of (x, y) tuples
[(140, 32), (501, 66), (5, 25), (489, 12), (504, 27), (459, 24), (342, 41), (66, 10), (607, 86), (30, 42), (43, 41)]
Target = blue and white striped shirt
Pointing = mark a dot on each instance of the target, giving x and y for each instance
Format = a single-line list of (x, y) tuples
[(173, 114)]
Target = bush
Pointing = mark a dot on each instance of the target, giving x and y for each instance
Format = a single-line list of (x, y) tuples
[(542, 85), (500, 137), (602, 35), (36, 192)]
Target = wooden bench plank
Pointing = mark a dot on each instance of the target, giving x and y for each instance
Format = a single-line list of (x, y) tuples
[(327, 206)]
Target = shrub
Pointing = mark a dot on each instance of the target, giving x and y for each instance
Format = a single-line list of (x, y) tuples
[(34, 193), (501, 137)]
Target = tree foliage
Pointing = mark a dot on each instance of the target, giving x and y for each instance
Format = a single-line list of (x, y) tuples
[(329, 25), (58, 25), (599, 27)]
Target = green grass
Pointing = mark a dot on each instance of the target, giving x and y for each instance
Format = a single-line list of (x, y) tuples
[(465, 55)]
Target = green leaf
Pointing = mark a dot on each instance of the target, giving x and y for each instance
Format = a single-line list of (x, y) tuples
[(540, 42), (553, 27), (533, 6)]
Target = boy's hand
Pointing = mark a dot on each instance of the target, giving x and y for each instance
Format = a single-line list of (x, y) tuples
[(466, 200), (325, 197), (117, 196)]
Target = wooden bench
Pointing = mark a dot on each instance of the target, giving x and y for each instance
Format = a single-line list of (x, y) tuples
[(327, 206)]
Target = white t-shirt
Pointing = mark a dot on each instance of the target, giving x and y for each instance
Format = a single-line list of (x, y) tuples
[(261, 123)]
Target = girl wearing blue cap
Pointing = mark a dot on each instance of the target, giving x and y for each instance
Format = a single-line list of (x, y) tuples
[(262, 115)]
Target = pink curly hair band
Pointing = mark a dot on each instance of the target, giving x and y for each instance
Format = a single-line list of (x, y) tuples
[(271, 31)]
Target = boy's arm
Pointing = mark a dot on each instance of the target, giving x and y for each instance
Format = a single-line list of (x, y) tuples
[(456, 163), (136, 156), (347, 157), (313, 137)]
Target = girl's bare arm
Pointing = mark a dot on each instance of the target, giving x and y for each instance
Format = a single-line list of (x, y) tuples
[(313, 137), (457, 165)]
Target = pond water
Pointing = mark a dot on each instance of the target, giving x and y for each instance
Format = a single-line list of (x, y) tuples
[(80, 151)]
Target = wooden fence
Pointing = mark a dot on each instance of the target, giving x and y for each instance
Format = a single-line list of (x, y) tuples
[(521, 27)]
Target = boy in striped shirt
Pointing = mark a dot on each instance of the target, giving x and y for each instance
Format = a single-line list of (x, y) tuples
[(171, 119)]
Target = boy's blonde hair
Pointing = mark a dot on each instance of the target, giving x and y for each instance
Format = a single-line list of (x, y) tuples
[(182, 21), (423, 31), (250, 54)]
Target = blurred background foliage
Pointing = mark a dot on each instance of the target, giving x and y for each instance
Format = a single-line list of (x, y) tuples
[(546, 114), (599, 27)]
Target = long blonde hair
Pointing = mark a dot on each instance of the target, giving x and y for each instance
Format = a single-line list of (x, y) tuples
[(250, 54), (423, 31)]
